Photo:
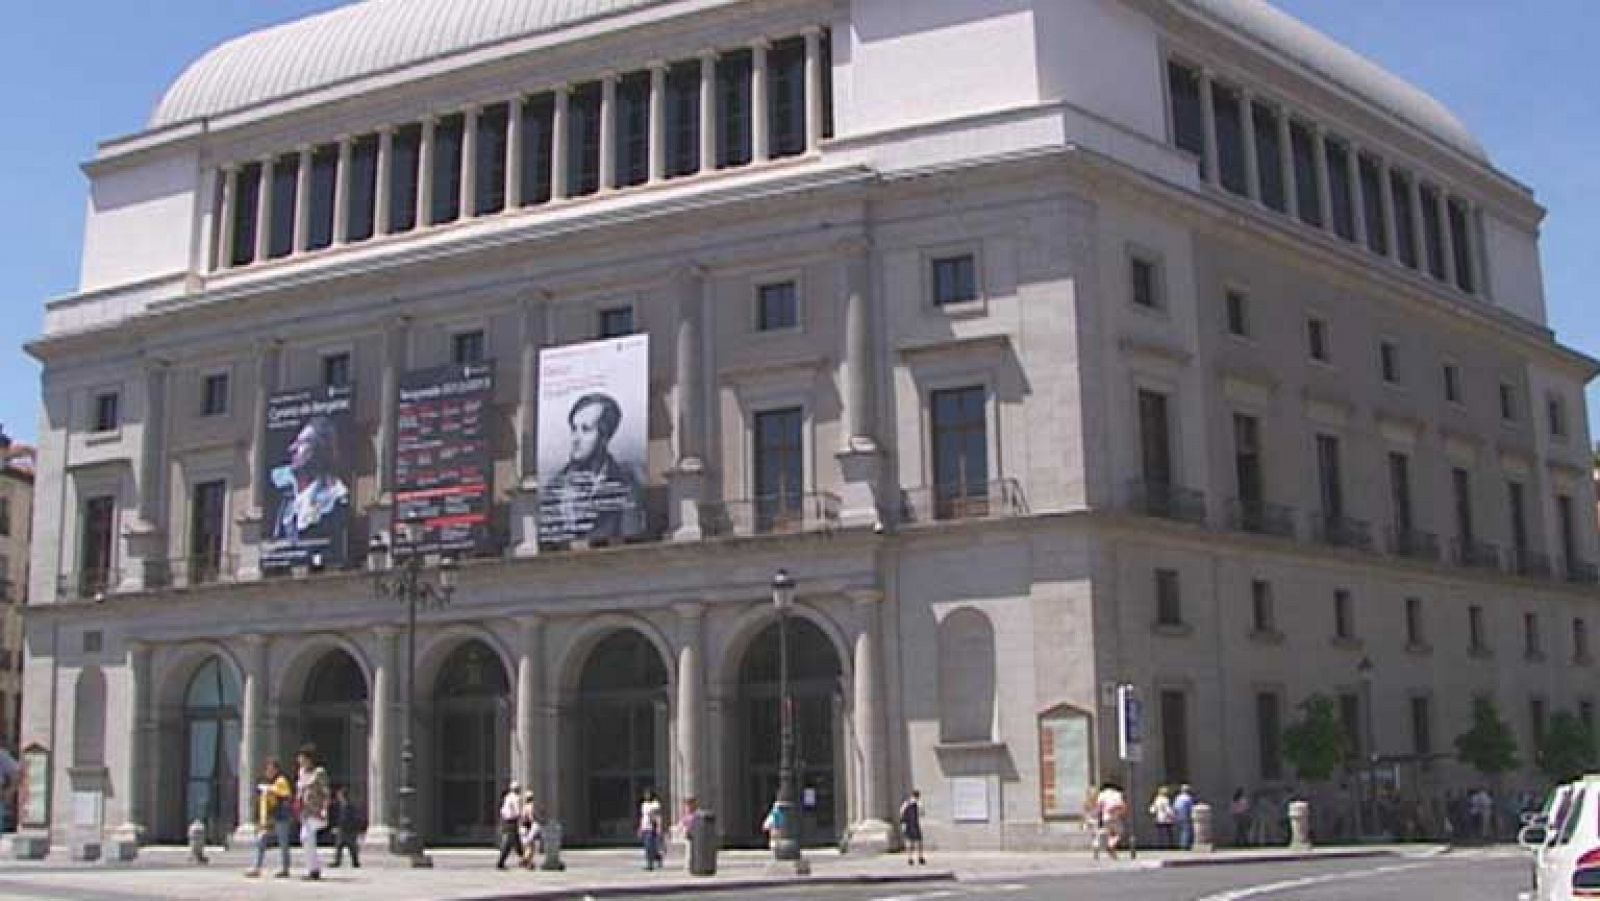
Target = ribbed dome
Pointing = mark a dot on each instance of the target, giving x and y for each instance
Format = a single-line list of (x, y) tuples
[(359, 40), (1304, 45)]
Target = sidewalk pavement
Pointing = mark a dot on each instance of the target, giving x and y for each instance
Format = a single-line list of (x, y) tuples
[(163, 872)]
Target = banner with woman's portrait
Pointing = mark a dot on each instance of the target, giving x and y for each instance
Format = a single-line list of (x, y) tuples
[(593, 429), (307, 477)]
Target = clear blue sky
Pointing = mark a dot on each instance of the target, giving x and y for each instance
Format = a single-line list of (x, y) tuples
[(1521, 76)]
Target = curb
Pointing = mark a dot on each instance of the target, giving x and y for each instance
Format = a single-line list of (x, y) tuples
[(706, 888), (1174, 863)]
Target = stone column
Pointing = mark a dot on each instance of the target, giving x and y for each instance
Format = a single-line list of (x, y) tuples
[(708, 110), (514, 152), (469, 162), (1480, 258), (658, 121), (1447, 241), (341, 193), (1391, 245), (147, 536), (428, 148), (230, 207), (302, 200), (382, 202), (608, 131), (383, 743), (251, 759), (760, 130), (813, 90), (1247, 130), (252, 520), (687, 477), (530, 700), (870, 833), (1319, 149), (691, 700), (1208, 130), (1358, 192), (559, 121), (860, 459), (525, 501), (264, 210), (1419, 234), (135, 781), (1291, 192)]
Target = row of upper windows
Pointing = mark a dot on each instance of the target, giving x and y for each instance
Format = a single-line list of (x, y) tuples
[(424, 166), (1322, 179)]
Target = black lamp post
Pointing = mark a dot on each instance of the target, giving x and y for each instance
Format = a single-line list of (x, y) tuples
[(786, 844), (1364, 670), (409, 584)]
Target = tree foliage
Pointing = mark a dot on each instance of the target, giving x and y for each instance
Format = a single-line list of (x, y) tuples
[(1488, 747), (1316, 745), (1568, 749)]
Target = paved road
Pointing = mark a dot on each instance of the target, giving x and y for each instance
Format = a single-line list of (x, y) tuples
[(1461, 876)]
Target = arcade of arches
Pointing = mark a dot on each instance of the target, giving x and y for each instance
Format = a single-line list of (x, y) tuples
[(591, 727)]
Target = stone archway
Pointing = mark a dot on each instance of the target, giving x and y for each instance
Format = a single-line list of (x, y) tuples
[(618, 742), (333, 713), (211, 705), (470, 724)]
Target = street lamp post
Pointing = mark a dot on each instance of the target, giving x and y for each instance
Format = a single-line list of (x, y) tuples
[(1370, 796), (786, 845), (409, 585)]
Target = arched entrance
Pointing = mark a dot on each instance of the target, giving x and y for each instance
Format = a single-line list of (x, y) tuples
[(814, 676), (471, 716), (211, 749), (333, 716), (621, 712)]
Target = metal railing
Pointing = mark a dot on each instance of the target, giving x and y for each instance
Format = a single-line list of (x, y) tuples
[(1414, 544), (200, 569), (1342, 531), (1475, 554), (1531, 564), (87, 585), (774, 514), (1164, 500), (1261, 518), (980, 500), (1582, 572)]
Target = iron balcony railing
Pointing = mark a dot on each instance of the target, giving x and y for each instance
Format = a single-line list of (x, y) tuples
[(1475, 554), (995, 499), (1261, 518), (1414, 544), (1342, 531), (1164, 500), (200, 569), (773, 514), (1530, 564)]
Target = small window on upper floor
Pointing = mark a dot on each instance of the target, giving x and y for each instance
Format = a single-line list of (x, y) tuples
[(955, 279), (1508, 402), (1344, 621), (107, 411), (336, 370), (5, 516), (214, 394), (615, 322), (1238, 313), (1169, 604), (1389, 361), (1144, 282), (1452, 383), (1558, 416), (467, 348), (1317, 340), (777, 307)]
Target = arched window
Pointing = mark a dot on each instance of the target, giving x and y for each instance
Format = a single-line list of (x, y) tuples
[(966, 677), (89, 719), (211, 746)]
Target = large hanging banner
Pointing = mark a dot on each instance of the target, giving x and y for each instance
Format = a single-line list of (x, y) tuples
[(442, 470), (593, 427), (307, 471)]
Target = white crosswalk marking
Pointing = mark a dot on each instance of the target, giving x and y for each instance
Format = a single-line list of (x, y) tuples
[(920, 896), (1272, 888)]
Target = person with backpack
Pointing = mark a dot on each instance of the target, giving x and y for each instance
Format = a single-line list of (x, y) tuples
[(274, 813), (311, 801), (911, 827)]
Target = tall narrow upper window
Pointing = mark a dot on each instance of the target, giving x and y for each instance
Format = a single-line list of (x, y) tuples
[(1432, 231), (1531, 644), (96, 537), (207, 515), (1341, 190), (405, 174), (1262, 618), (1247, 463), (1183, 92), (1174, 736), (955, 279), (1508, 402), (361, 202), (633, 129), (107, 411), (489, 185), (1400, 494), (1567, 524), (1144, 279), (285, 188), (1461, 487), (1452, 383), (786, 97), (1460, 246), (1330, 483), (1317, 339), (538, 148), (1519, 519), (5, 516), (1557, 416), (733, 109), (1389, 361), (616, 322), (246, 212), (1269, 732), (1169, 602), (1230, 138), (779, 472), (683, 119), (1303, 143), (777, 307), (1414, 631), (1267, 153), (1405, 227), (448, 139), (583, 140), (467, 348), (1238, 304), (336, 370), (960, 450), (1372, 205), (214, 394), (324, 188), (1155, 440), (1344, 617)]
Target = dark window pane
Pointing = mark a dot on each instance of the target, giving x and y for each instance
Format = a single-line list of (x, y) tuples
[(1344, 222), (538, 130), (246, 210), (683, 119), (467, 348), (1238, 314), (616, 322), (733, 109), (633, 129), (489, 189), (960, 448), (107, 411), (362, 199), (404, 178), (583, 140), (779, 467), (1462, 247), (1269, 159), (1143, 279), (446, 174), (324, 183), (1303, 142), (1268, 732), (1404, 226), (1372, 206), (1433, 236), (1174, 736), (1330, 483), (786, 97), (285, 184), (1230, 138), (1183, 89), (1154, 440), (336, 369), (214, 394), (777, 307)]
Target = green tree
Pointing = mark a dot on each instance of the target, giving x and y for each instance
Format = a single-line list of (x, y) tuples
[(1317, 745), (1568, 749), (1488, 747)]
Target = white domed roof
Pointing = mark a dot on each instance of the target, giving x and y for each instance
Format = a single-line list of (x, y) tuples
[(1304, 45)]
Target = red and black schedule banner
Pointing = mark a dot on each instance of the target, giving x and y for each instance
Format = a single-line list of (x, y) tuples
[(442, 468)]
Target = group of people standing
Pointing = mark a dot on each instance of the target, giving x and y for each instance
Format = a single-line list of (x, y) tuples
[(1106, 816), (309, 802)]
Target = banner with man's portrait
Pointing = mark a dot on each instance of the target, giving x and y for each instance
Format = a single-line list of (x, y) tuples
[(442, 467), (593, 429), (306, 475)]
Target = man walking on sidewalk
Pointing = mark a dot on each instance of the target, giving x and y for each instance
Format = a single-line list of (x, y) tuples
[(510, 824), (1183, 817)]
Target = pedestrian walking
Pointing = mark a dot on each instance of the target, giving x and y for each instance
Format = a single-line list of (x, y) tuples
[(1162, 813), (911, 827), (686, 824), (773, 825), (532, 831), (274, 813), (1113, 809), (1183, 812), (345, 820), (1239, 810), (510, 824), (650, 829), (311, 798)]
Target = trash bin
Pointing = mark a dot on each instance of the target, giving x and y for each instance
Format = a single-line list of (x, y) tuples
[(703, 844), (551, 832)]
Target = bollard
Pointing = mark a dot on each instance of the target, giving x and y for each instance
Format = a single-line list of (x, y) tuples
[(197, 842), (1202, 828), (552, 847), (703, 844), (1299, 826)]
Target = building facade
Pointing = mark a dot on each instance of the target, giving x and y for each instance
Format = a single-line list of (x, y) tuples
[(1048, 346), (16, 517)]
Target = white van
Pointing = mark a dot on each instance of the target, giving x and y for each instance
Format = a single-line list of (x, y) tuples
[(1565, 840)]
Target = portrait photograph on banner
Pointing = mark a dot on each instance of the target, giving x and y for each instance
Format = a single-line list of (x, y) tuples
[(443, 474), (593, 429), (307, 471)]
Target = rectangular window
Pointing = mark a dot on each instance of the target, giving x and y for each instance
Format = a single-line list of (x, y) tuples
[(786, 97), (1461, 488), (1433, 237), (1261, 614), (1317, 339), (1405, 227), (1267, 155), (779, 470), (1400, 493), (632, 125), (107, 411), (1303, 143), (1144, 280), (1344, 622), (324, 184), (207, 514), (214, 394), (1508, 402), (827, 82), (777, 307), (1230, 138), (405, 174), (336, 370), (1350, 723), (467, 348), (246, 212), (1461, 246), (1558, 417), (1568, 526), (683, 119), (1342, 192), (1247, 463), (361, 201), (448, 138), (1519, 519), (1372, 205), (5, 516), (583, 140), (285, 188), (97, 536), (489, 185), (1421, 727), (1452, 383), (1188, 126), (1476, 639), (1269, 731), (615, 322), (1169, 603), (1580, 639), (1175, 736), (960, 452), (1415, 636), (733, 109), (1330, 483), (1154, 439), (538, 148), (1389, 361), (1238, 313), (1531, 646), (955, 279)]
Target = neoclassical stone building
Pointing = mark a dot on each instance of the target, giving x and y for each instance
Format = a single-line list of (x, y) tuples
[(1048, 345)]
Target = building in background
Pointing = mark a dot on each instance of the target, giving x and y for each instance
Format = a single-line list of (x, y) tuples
[(16, 519), (1047, 345)]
